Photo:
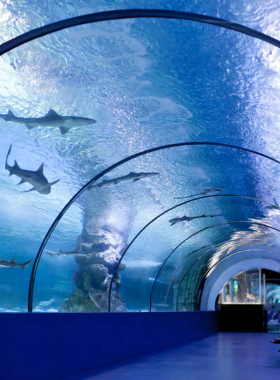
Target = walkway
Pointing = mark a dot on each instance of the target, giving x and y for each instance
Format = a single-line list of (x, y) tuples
[(229, 356)]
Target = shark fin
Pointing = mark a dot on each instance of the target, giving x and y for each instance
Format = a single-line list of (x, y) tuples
[(51, 113), (27, 191), (64, 130), (16, 165), (53, 183), (10, 114), (60, 251), (30, 126), (116, 182), (136, 179), (13, 260), (22, 181), (41, 168), (132, 173)]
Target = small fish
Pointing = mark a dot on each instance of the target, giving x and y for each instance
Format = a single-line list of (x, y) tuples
[(129, 177), (202, 193), (13, 264), (51, 119), (35, 178), (188, 219), (94, 296)]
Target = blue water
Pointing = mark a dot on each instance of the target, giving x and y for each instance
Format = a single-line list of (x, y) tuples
[(147, 82)]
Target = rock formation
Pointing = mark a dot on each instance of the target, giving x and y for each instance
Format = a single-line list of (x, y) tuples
[(102, 249)]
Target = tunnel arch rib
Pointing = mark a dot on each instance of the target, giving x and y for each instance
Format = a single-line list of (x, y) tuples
[(132, 13)]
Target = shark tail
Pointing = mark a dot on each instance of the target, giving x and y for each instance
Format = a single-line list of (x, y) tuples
[(24, 265), (9, 116), (7, 166), (50, 253)]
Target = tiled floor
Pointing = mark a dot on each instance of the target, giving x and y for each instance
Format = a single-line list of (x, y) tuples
[(226, 356)]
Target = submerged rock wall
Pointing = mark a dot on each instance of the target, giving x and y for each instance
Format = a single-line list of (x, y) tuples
[(101, 249)]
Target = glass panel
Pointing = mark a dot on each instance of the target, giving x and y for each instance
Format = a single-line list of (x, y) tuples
[(142, 92), (251, 238)]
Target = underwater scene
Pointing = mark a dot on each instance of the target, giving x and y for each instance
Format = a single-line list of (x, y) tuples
[(169, 131)]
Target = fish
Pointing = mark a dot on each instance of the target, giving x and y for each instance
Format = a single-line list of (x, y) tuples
[(129, 177), (273, 207), (172, 279), (66, 253), (202, 193), (51, 119), (77, 251), (189, 218), (35, 178), (12, 264), (94, 296)]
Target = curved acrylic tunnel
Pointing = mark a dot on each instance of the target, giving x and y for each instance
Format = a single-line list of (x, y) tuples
[(143, 93), (179, 283), (140, 202)]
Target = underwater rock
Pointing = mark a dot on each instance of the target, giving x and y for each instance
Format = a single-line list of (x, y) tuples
[(103, 247), (98, 273), (93, 301), (109, 260)]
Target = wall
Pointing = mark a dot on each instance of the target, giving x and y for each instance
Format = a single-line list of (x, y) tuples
[(57, 346)]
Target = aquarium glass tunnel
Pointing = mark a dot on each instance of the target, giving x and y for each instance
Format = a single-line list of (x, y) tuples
[(139, 150)]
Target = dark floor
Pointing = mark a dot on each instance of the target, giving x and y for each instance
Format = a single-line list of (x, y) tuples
[(226, 356)]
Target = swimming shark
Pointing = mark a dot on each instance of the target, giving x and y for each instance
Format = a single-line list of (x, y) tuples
[(76, 251), (172, 279), (66, 253), (94, 296), (12, 264), (206, 191), (129, 177), (51, 119), (188, 219), (35, 178), (273, 207)]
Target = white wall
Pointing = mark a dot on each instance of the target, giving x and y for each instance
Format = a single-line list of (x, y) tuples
[(233, 265)]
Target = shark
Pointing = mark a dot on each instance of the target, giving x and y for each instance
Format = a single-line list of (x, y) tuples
[(129, 177), (12, 264), (35, 178), (94, 296), (66, 253), (172, 279), (77, 251), (188, 219), (273, 207), (51, 119), (206, 191)]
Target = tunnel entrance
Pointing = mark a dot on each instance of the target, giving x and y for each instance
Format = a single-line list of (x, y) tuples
[(250, 301)]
